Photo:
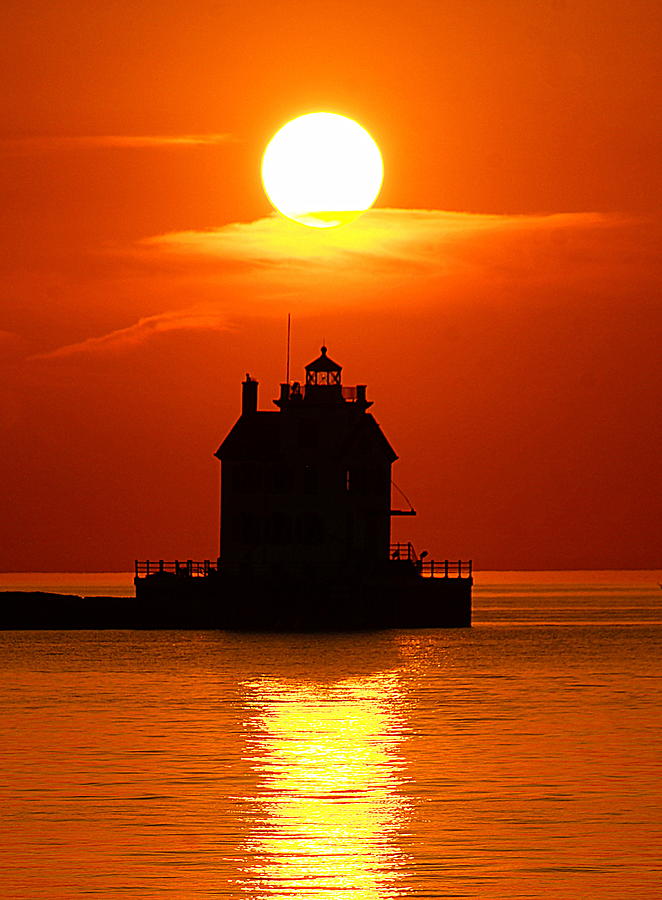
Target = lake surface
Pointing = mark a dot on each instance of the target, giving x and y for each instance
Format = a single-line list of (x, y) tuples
[(519, 759)]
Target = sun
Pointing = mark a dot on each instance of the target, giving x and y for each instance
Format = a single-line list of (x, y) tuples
[(322, 170)]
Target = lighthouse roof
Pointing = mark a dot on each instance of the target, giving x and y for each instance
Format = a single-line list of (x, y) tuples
[(272, 437), (323, 363)]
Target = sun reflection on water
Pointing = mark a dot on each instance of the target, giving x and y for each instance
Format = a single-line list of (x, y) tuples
[(330, 806)]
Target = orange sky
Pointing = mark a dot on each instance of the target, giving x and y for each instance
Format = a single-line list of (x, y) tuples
[(502, 302)]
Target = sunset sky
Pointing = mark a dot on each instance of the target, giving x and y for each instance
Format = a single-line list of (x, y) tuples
[(502, 301)]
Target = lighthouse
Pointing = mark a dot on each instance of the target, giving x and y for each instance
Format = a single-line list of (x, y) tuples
[(305, 526), (310, 482)]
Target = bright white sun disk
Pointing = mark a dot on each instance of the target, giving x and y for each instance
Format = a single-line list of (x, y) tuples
[(322, 170)]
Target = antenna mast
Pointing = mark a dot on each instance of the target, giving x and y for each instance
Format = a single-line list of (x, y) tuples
[(289, 331)]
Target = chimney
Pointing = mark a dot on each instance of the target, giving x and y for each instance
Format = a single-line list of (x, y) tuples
[(360, 394), (248, 396)]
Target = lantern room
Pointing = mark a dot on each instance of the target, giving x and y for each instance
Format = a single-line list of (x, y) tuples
[(323, 371)]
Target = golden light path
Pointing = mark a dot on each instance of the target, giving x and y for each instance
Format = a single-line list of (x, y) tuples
[(322, 170), (329, 806)]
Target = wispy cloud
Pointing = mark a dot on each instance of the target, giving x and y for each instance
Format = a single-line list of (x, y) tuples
[(388, 257), (194, 319), (405, 237), (45, 144)]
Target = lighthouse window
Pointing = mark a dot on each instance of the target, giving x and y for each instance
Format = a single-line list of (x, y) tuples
[(249, 478), (309, 480), (280, 479), (363, 481), (326, 378), (314, 529), (308, 435), (280, 528), (356, 480), (250, 529)]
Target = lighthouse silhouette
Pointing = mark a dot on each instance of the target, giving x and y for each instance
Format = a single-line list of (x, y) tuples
[(309, 483), (305, 524)]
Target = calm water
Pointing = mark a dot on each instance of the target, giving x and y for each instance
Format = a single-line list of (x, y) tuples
[(520, 759)]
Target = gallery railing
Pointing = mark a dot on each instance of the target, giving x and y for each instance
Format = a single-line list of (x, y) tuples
[(193, 568), (430, 568), (404, 551), (190, 568), (447, 568)]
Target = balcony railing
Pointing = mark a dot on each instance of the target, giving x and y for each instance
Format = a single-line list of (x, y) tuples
[(402, 552), (189, 568), (430, 568), (448, 568)]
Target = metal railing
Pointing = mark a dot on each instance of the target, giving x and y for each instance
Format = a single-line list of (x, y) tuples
[(189, 568), (401, 552), (430, 568), (449, 568)]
